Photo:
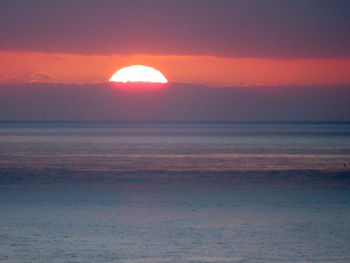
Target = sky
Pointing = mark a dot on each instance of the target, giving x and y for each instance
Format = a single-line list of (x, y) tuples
[(175, 102), (271, 47)]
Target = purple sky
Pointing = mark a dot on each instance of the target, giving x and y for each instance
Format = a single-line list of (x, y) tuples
[(253, 28), (178, 102)]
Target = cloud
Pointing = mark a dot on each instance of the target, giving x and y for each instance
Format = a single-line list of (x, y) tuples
[(40, 77), (180, 27), (20, 78), (176, 102), (10, 78)]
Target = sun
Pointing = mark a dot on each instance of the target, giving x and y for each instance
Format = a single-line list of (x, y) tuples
[(138, 73)]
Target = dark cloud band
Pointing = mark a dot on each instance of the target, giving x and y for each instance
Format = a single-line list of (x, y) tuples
[(255, 28)]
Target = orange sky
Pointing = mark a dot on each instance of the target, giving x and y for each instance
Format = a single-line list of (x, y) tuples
[(214, 71)]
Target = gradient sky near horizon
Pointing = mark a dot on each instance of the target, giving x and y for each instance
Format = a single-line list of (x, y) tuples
[(217, 43), (227, 60)]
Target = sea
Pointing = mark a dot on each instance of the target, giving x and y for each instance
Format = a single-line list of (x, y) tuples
[(154, 192)]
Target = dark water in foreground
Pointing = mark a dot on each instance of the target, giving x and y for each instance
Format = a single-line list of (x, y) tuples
[(107, 192)]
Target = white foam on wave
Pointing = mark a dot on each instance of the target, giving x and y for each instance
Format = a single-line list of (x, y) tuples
[(216, 259), (146, 260)]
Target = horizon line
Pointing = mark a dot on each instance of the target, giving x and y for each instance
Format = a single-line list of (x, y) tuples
[(168, 122)]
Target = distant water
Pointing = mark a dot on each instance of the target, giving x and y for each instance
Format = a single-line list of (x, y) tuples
[(174, 192)]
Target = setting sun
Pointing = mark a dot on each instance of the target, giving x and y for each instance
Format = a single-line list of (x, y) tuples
[(138, 73)]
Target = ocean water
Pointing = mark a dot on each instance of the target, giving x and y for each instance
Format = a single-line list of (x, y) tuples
[(174, 192)]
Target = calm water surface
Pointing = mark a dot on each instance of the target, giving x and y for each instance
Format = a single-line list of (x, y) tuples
[(170, 192)]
